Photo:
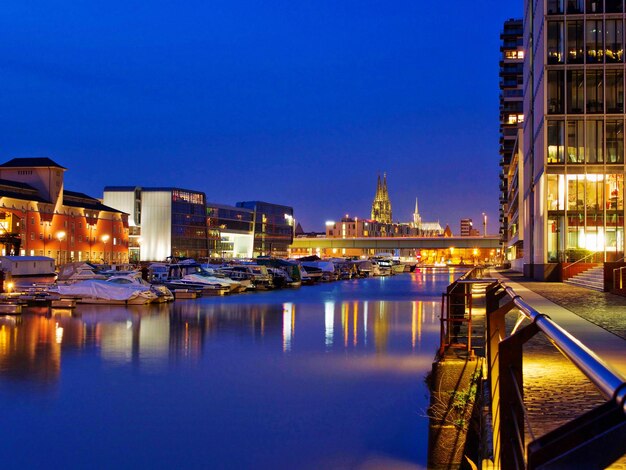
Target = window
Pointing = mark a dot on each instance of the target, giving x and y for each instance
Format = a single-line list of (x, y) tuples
[(615, 141), (575, 91), (574, 6), (556, 192), (575, 192), (595, 135), (613, 6), (555, 7), (575, 142), (594, 6), (614, 91), (595, 91), (555, 141), (614, 41), (555, 42), (594, 193), (595, 38), (556, 92), (615, 192), (575, 42)]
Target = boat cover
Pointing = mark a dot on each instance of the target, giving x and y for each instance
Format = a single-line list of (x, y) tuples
[(100, 290)]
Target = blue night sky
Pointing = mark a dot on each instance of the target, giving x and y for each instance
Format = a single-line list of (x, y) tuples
[(298, 103)]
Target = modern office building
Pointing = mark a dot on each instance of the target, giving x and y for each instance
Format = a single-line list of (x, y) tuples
[(573, 144), (273, 228), (231, 231), (164, 221), (511, 122), (39, 217)]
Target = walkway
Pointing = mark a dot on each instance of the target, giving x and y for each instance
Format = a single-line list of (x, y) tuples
[(596, 319), (553, 386)]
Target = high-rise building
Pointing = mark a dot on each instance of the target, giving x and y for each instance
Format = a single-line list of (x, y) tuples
[(573, 147), (511, 121), (381, 207), (466, 227)]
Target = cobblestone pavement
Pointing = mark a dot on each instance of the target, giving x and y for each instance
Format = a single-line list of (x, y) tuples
[(606, 310)]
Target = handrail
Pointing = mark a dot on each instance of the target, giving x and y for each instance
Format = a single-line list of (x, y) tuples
[(608, 382), (581, 259)]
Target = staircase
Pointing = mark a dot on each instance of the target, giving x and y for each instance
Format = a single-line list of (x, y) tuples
[(592, 278)]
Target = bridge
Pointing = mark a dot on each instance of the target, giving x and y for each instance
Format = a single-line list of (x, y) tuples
[(398, 243)]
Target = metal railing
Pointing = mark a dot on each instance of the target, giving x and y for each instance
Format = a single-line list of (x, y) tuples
[(567, 268), (456, 310), (593, 440)]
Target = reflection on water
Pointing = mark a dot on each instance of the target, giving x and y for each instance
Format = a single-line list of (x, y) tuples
[(31, 345), (336, 366)]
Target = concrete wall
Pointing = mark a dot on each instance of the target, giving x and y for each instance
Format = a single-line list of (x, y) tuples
[(156, 225)]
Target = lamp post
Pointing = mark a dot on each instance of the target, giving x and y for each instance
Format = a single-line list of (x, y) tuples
[(485, 224), (90, 242), (60, 237), (105, 239)]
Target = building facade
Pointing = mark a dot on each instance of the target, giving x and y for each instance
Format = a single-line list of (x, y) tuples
[(39, 217), (231, 231), (164, 221), (511, 122), (273, 228), (573, 144)]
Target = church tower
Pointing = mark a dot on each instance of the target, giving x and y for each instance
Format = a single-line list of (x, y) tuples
[(381, 207), (417, 219)]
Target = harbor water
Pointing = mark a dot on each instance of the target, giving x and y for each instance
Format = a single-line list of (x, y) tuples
[(325, 376)]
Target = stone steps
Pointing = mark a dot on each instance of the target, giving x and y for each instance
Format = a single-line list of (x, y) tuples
[(592, 278)]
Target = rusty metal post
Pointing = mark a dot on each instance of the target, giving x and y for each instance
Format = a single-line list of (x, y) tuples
[(513, 446), (495, 332)]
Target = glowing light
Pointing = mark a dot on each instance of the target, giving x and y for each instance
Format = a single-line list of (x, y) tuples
[(329, 223), (288, 320), (58, 333), (329, 322)]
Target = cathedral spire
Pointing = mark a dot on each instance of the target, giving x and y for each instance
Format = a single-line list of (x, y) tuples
[(417, 219), (381, 208)]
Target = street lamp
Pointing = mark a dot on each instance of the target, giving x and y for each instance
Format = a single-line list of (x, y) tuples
[(60, 236), (105, 239), (485, 223)]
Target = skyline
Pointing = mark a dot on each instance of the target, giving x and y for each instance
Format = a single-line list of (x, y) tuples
[(293, 104)]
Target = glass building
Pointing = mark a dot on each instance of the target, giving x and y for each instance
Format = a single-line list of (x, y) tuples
[(273, 228), (231, 231), (573, 148)]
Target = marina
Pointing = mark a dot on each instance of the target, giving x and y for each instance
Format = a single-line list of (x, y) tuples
[(329, 375)]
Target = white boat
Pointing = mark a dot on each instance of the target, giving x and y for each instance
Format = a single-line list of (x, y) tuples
[(258, 275), (223, 281), (134, 279), (79, 271), (95, 291)]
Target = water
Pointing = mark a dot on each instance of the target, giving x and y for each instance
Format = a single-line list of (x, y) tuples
[(327, 376)]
